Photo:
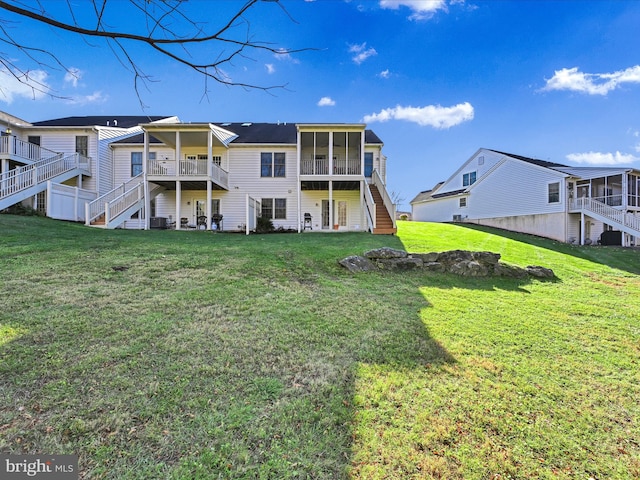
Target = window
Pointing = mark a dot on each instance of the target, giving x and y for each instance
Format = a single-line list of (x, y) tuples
[(272, 164), (34, 139), (82, 145), (274, 208), (136, 163), (554, 192), (368, 164), (463, 202), (468, 179), (217, 160)]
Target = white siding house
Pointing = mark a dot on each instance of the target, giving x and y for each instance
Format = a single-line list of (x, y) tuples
[(150, 172), (569, 204)]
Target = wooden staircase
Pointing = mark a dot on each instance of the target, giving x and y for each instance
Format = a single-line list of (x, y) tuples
[(384, 223)]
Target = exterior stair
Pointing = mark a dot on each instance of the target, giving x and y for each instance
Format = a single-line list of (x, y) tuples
[(23, 182), (384, 222), (619, 219)]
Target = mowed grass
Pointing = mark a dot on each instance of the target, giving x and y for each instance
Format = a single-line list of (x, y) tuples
[(166, 354)]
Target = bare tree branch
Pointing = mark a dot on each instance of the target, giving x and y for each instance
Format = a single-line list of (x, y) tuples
[(170, 31)]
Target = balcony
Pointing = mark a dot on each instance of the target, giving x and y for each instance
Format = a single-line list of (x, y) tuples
[(320, 166), (164, 170)]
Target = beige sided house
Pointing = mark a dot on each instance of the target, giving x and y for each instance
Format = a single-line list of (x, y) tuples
[(585, 205), (156, 172)]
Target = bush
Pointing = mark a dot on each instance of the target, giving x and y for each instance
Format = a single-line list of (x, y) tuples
[(264, 225)]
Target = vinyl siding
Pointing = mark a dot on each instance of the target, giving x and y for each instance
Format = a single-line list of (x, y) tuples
[(481, 163), (515, 188)]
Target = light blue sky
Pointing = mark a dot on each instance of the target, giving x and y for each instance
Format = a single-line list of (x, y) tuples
[(436, 80)]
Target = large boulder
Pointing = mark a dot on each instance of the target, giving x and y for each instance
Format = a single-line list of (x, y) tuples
[(540, 272), (356, 263)]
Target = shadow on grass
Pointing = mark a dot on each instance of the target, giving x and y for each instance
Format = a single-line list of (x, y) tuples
[(610, 256)]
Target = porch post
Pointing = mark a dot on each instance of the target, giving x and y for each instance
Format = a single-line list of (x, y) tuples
[(147, 200), (582, 228), (298, 186), (209, 175), (330, 205), (178, 202)]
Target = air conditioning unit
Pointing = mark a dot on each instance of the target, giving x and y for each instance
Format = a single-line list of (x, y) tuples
[(457, 218)]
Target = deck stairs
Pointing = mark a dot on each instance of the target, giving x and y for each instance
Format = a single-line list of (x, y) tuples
[(117, 206), (27, 181), (618, 219), (384, 223)]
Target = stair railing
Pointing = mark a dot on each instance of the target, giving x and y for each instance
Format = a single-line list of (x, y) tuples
[(599, 208), (386, 199), (97, 208)]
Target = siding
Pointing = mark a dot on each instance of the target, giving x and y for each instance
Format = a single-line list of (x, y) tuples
[(481, 163), (515, 188)]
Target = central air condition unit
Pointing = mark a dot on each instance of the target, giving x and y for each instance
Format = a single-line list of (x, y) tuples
[(457, 218)]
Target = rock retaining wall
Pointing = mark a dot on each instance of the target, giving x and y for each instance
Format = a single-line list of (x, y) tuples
[(458, 262)]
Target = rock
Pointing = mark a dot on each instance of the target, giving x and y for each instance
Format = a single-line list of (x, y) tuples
[(505, 270), (433, 266), (385, 252), (470, 268), (540, 272), (454, 256), (426, 257), (487, 258), (356, 263), (399, 264), (458, 262)]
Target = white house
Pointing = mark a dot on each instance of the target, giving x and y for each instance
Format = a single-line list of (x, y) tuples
[(571, 204), (146, 172)]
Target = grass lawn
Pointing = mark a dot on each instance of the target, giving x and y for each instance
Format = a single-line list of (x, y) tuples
[(207, 355)]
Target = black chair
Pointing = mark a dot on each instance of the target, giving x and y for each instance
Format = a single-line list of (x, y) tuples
[(201, 222)]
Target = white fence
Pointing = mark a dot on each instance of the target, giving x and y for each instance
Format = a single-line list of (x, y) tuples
[(67, 203), (254, 208)]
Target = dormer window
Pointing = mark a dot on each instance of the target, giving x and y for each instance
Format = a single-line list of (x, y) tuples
[(468, 179)]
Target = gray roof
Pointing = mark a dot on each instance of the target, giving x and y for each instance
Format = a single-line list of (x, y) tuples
[(534, 161), (119, 121), (426, 194)]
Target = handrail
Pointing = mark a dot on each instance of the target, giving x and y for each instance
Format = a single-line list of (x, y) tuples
[(619, 216), (371, 207), (386, 199), (97, 207), (27, 176), (122, 202), (10, 145)]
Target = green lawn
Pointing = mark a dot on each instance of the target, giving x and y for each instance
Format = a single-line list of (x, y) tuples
[(224, 356)]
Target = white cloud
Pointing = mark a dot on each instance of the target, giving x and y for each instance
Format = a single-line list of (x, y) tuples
[(95, 97), (385, 74), (32, 85), (72, 76), (430, 116), (283, 55), (598, 158), (591, 83), (361, 52), (270, 68), (422, 9), (326, 102)]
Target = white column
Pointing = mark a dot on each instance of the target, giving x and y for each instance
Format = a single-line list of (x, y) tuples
[(581, 228), (178, 203), (330, 204), (298, 187), (147, 200), (209, 175)]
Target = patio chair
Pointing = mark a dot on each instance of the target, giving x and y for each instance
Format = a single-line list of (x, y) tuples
[(307, 222)]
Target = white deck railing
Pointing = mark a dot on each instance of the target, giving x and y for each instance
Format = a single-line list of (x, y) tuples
[(187, 168), (370, 208), (122, 202), (27, 176), (10, 145), (386, 199), (97, 208), (320, 166), (595, 206)]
